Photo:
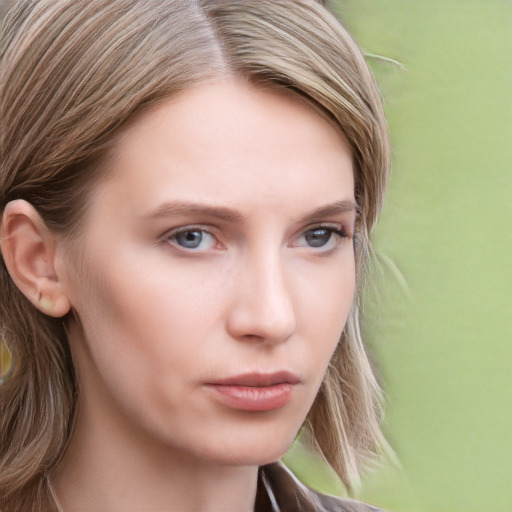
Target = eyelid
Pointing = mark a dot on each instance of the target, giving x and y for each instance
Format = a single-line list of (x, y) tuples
[(169, 234), (337, 229), (345, 228)]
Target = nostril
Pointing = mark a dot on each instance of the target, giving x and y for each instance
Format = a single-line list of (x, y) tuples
[(262, 307), (260, 319)]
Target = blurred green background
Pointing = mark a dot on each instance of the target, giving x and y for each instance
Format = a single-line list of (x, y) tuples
[(438, 317)]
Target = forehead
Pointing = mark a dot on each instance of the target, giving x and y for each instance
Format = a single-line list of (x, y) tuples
[(233, 141)]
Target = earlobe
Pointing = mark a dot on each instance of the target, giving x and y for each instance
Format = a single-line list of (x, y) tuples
[(54, 307), (29, 252)]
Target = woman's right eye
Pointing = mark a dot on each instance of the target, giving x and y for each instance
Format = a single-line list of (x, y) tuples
[(192, 239)]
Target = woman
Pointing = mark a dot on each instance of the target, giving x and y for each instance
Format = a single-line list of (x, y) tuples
[(187, 192)]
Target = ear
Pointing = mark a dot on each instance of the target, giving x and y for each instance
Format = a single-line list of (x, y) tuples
[(29, 252)]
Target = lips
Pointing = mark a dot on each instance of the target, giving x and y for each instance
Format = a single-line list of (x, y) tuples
[(259, 379), (255, 391)]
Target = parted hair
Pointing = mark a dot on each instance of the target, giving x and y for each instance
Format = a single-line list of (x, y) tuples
[(72, 74)]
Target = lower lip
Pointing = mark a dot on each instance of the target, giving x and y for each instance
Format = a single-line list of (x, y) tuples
[(251, 398)]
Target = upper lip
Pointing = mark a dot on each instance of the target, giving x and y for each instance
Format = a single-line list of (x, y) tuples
[(258, 379)]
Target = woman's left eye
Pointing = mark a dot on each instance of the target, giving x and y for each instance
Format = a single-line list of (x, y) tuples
[(323, 238), (192, 239)]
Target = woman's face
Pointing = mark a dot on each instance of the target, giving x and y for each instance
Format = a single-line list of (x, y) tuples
[(216, 273)]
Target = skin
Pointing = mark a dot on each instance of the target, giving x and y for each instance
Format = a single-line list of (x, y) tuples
[(162, 311)]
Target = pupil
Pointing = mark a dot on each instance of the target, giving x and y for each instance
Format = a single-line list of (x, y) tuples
[(318, 237), (190, 239)]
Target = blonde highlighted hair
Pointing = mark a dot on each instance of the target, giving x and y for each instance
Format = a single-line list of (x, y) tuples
[(72, 73)]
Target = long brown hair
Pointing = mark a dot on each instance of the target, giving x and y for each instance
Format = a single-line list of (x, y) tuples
[(71, 74)]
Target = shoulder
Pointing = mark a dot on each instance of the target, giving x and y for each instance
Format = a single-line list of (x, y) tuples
[(280, 491)]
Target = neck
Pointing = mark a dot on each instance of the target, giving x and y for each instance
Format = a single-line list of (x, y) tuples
[(110, 468)]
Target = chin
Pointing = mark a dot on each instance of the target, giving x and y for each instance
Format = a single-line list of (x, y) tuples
[(248, 459), (250, 450)]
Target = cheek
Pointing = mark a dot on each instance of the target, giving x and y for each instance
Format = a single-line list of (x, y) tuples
[(147, 327), (325, 307), (135, 345), (327, 293)]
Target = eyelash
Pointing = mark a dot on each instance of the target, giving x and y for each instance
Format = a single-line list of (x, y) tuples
[(171, 237), (338, 231)]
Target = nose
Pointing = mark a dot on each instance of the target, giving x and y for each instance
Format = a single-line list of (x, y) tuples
[(262, 307)]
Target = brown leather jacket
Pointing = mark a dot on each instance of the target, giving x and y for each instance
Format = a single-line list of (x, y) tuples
[(280, 491)]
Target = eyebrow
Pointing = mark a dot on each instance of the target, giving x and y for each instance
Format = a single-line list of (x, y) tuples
[(331, 209), (184, 208), (225, 214)]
